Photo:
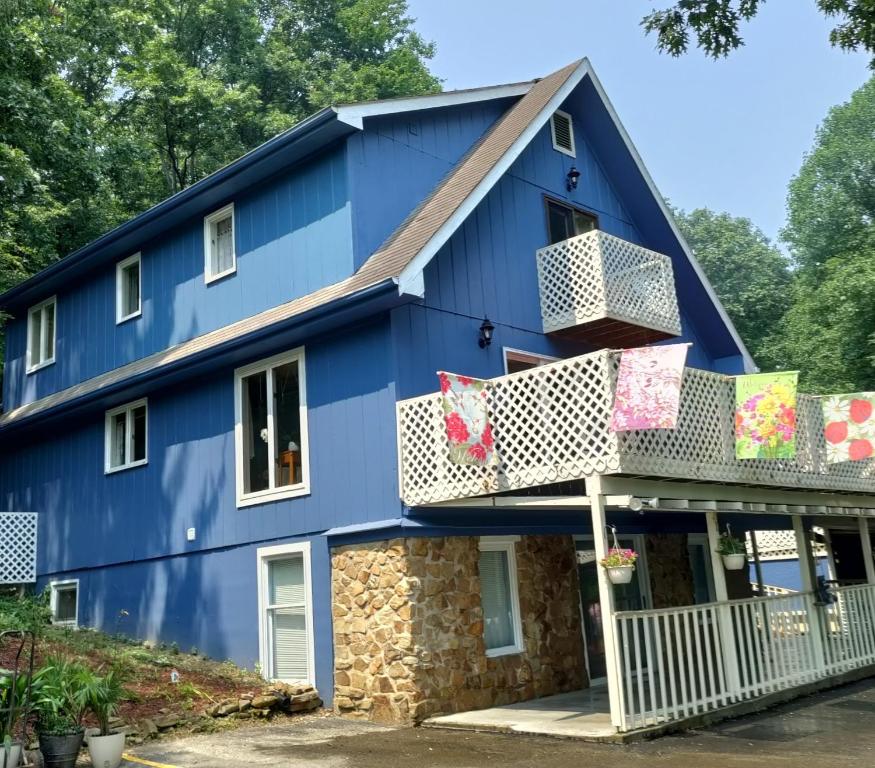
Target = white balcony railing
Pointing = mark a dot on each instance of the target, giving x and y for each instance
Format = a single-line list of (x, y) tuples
[(600, 280), (18, 547), (551, 425)]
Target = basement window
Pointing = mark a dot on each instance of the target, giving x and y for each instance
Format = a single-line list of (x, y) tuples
[(126, 436), (499, 596), (562, 131), (64, 602)]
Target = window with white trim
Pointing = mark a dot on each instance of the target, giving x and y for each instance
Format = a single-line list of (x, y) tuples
[(128, 279), (64, 602), (271, 429), (126, 436), (516, 360), (562, 132), (41, 334), (220, 255), (286, 628), (499, 596)]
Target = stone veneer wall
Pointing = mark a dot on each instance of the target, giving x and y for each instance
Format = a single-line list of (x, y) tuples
[(671, 575), (408, 628)]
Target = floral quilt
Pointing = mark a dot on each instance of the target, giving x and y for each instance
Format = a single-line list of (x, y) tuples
[(765, 415), (649, 388), (849, 426), (466, 417)]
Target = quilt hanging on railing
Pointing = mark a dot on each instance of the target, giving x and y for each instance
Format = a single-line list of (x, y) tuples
[(765, 415), (466, 416), (849, 426), (649, 388)]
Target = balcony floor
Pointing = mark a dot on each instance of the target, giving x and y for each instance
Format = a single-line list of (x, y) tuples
[(577, 715)]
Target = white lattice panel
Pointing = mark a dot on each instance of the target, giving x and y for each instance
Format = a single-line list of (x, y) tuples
[(17, 547), (597, 276), (779, 545), (551, 424)]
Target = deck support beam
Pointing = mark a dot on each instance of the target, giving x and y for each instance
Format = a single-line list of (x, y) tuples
[(866, 544), (724, 612), (606, 598)]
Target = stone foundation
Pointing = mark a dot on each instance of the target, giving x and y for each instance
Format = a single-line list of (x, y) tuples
[(408, 628), (671, 575)]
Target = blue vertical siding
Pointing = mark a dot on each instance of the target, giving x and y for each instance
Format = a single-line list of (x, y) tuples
[(398, 159), (293, 235)]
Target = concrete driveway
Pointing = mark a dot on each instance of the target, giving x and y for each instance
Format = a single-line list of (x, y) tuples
[(835, 728)]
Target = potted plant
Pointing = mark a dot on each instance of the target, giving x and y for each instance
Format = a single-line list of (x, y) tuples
[(13, 696), (620, 564), (102, 697), (733, 551), (60, 706)]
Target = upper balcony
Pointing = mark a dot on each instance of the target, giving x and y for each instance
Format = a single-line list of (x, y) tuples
[(550, 425), (607, 291)]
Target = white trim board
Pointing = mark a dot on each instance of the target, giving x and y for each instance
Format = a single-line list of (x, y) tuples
[(53, 601)]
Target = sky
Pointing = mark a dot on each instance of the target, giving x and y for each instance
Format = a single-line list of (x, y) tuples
[(728, 135)]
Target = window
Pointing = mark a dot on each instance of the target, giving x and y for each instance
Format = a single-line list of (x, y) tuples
[(126, 436), (499, 596), (285, 601), (220, 256), (564, 222), (271, 429), (127, 289), (562, 131), (41, 335), (516, 360), (64, 602)]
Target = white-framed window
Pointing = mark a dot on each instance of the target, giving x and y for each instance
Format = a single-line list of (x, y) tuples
[(127, 436), (562, 131), (270, 403), (128, 282), (220, 253), (41, 334), (64, 602), (499, 595), (285, 609), (516, 360)]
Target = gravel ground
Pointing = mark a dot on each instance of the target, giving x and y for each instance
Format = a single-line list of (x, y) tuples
[(835, 728)]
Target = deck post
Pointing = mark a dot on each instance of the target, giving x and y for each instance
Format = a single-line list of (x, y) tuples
[(757, 565), (806, 567), (724, 613), (606, 598), (866, 543)]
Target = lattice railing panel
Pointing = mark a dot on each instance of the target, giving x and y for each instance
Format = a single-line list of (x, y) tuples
[(18, 547), (551, 424), (597, 276), (773, 545)]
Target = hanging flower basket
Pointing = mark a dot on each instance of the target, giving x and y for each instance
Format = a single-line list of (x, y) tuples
[(732, 550), (620, 564)]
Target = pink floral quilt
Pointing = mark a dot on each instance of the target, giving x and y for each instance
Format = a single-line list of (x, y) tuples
[(649, 388), (466, 416)]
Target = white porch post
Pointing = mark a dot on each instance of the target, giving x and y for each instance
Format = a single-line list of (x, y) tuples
[(727, 631), (806, 566), (866, 543), (606, 598)]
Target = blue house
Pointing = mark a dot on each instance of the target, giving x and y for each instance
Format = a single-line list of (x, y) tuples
[(225, 413)]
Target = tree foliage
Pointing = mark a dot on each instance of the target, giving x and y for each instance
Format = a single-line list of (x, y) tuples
[(108, 106), (829, 331), (750, 275), (716, 25)]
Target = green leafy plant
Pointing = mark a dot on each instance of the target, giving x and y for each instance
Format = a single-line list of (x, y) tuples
[(618, 557), (13, 705), (30, 613), (729, 545), (102, 695), (60, 699)]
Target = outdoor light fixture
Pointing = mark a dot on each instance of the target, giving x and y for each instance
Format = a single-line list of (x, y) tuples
[(486, 329), (571, 178), (637, 505)]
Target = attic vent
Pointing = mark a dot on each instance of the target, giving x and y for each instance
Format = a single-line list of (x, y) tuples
[(563, 133)]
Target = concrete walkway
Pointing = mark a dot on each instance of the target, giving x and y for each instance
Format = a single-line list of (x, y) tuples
[(579, 715)]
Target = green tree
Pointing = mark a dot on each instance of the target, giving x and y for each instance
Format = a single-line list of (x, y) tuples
[(716, 24), (829, 331), (750, 275)]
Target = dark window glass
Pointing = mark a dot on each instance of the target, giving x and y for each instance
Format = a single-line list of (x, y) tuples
[(564, 222)]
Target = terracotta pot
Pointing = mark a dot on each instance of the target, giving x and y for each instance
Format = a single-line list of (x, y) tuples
[(621, 574), (734, 562)]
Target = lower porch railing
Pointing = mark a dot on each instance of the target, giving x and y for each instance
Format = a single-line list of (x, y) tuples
[(675, 663)]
